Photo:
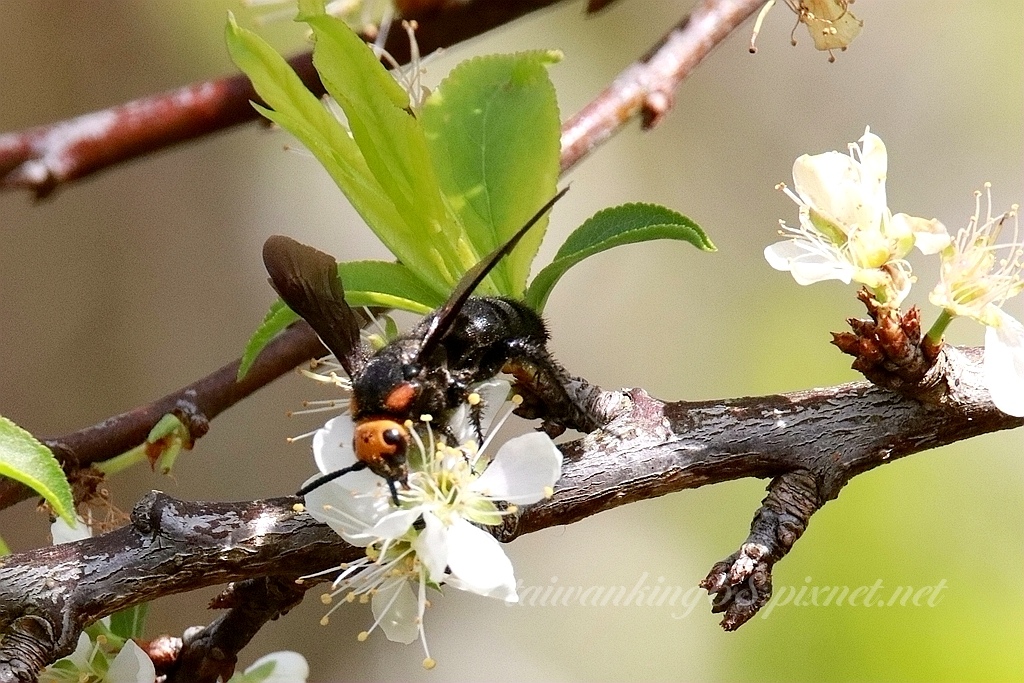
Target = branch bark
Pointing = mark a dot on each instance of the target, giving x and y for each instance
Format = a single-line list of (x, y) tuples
[(810, 441), (45, 158)]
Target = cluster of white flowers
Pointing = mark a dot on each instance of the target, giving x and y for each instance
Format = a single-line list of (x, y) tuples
[(100, 656), (433, 537), (847, 232), (91, 662)]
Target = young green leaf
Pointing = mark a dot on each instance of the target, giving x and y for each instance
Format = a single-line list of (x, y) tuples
[(391, 141), (277, 318), (380, 283), (23, 458), (626, 224), (293, 107), (128, 623), (492, 128)]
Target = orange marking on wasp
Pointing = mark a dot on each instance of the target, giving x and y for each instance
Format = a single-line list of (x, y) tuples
[(400, 398)]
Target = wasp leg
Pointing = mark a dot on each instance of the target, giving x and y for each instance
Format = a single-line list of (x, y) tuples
[(541, 381)]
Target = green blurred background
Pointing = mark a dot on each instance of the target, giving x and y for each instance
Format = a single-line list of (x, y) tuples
[(131, 284)]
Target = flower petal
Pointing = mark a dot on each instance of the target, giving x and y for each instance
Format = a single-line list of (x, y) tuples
[(1004, 364), (131, 665), (830, 184), (62, 532), (493, 394), (478, 563), (80, 657), (431, 546), (930, 236), (332, 451), (522, 471), (350, 514), (873, 167), (394, 524), (332, 444), (289, 667), (808, 262), (395, 607)]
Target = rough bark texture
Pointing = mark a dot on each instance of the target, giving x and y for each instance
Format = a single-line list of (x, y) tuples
[(810, 443)]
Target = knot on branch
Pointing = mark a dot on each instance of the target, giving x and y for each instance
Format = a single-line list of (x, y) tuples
[(742, 583), (28, 645), (890, 349)]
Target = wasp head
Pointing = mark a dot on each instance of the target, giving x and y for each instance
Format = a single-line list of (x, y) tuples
[(382, 444)]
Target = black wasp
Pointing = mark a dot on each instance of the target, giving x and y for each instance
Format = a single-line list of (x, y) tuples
[(428, 370)]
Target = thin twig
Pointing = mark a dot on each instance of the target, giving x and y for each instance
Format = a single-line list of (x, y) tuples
[(45, 158), (197, 403), (647, 87)]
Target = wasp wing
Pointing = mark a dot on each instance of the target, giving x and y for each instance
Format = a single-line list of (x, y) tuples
[(446, 315), (307, 280)]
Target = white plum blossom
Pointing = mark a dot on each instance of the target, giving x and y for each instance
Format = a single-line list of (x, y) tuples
[(977, 276), (277, 667), (846, 230), (90, 662), (433, 537)]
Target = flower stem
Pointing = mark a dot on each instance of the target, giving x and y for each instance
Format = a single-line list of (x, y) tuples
[(939, 327), (123, 461)]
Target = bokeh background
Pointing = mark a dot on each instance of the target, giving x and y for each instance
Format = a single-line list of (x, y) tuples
[(133, 283)]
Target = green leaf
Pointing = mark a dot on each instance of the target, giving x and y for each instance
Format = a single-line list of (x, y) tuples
[(128, 623), (277, 318), (626, 224), (293, 107), (367, 283), (392, 143), (492, 128), (380, 283), (23, 458)]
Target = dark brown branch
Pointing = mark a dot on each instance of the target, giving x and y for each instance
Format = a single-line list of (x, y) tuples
[(647, 87), (44, 158), (210, 653), (197, 403), (742, 582), (811, 442)]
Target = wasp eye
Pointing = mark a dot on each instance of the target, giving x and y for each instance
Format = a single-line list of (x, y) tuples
[(411, 371), (392, 437)]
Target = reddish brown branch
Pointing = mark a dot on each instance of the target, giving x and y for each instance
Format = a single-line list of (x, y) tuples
[(647, 87), (198, 403), (44, 158)]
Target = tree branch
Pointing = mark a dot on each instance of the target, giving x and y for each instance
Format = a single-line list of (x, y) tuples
[(675, 56), (196, 404), (810, 442), (647, 87), (44, 158)]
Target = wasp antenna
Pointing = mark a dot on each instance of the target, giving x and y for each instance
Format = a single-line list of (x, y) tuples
[(447, 314), (329, 477), (307, 280)]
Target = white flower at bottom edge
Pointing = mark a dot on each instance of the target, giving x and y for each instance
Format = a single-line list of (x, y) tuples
[(977, 277), (87, 663), (277, 667), (452, 489), (1003, 369)]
